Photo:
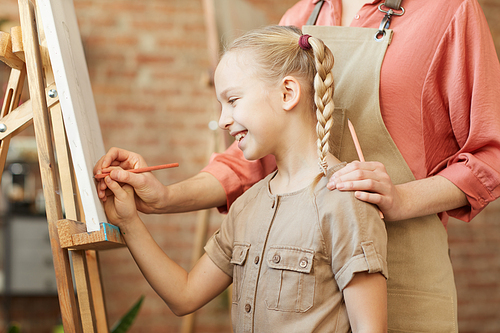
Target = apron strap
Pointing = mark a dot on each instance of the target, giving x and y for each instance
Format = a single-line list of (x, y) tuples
[(394, 4), (315, 13)]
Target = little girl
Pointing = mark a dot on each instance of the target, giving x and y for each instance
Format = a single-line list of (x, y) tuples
[(301, 258)]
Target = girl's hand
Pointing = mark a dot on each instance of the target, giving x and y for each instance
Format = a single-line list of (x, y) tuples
[(115, 158), (149, 191), (120, 207), (372, 184)]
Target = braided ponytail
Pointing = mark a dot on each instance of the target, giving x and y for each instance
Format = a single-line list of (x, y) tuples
[(323, 96)]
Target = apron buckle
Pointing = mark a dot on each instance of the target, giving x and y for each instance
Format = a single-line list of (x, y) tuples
[(391, 11), (386, 21)]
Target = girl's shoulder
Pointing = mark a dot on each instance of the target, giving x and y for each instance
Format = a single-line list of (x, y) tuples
[(335, 204)]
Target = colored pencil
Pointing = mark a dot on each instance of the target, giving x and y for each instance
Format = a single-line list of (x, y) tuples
[(358, 150), (140, 170), (356, 142)]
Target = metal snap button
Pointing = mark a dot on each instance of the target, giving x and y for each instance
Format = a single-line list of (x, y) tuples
[(303, 263), (276, 258), (256, 260), (248, 308)]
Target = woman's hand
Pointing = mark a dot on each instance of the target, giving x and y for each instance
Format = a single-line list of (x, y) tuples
[(372, 184), (421, 197)]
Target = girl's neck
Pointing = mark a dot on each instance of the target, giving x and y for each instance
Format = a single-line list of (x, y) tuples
[(298, 166)]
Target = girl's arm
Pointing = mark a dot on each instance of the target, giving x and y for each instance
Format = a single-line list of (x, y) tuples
[(152, 197), (182, 291), (366, 302)]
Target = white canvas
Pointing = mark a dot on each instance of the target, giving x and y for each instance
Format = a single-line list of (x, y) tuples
[(77, 101)]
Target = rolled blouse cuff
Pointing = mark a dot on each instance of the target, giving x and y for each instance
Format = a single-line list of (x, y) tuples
[(473, 185), (217, 255), (369, 261)]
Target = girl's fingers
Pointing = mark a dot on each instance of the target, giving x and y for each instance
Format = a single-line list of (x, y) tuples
[(117, 190), (121, 192)]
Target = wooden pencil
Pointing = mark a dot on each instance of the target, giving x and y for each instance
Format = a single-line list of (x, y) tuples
[(140, 170), (356, 141), (358, 150)]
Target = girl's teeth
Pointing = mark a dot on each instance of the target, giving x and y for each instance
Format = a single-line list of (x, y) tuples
[(239, 136)]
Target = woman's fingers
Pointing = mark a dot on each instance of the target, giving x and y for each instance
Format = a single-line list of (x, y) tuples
[(365, 176)]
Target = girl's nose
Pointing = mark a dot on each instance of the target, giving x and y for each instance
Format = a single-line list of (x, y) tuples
[(226, 119)]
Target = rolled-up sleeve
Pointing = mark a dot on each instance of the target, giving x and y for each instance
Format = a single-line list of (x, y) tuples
[(465, 81)]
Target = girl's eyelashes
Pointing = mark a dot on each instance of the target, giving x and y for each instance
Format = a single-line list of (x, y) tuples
[(232, 101)]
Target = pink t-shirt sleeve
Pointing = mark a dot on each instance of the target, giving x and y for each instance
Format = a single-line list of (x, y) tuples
[(236, 174)]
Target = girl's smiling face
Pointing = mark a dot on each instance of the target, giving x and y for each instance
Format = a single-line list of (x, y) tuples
[(249, 105)]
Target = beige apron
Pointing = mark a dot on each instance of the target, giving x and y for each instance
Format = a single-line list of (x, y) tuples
[(421, 288)]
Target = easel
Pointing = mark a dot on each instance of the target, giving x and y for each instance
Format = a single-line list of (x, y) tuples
[(24, 50)]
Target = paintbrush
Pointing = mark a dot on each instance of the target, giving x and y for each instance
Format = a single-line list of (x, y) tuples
[(140, 170)]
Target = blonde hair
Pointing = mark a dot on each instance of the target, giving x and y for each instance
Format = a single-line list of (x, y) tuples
[(278, 54)]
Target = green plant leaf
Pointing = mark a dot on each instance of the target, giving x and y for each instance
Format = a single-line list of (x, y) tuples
[(14, 328), (58, 329), (126, 321)]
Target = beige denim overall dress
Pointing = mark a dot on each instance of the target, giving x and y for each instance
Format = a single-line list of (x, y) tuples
[(421, 287)]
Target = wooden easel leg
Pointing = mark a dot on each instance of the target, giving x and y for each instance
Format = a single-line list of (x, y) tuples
[(83, 288), (69, 310), (97, 291)]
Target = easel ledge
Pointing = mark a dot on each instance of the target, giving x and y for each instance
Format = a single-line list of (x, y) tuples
[(73, 235)]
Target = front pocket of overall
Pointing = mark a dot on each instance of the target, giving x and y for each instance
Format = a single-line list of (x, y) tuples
[(290, 279), (240, 253)]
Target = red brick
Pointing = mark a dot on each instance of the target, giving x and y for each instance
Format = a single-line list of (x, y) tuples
[(147, 59)]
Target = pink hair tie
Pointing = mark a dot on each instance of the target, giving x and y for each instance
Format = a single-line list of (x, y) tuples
[(304, 42)]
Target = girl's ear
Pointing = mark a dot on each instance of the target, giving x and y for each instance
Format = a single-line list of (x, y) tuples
[(291, 92)]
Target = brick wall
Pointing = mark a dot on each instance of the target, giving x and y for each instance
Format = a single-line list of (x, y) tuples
[(147, 63)]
